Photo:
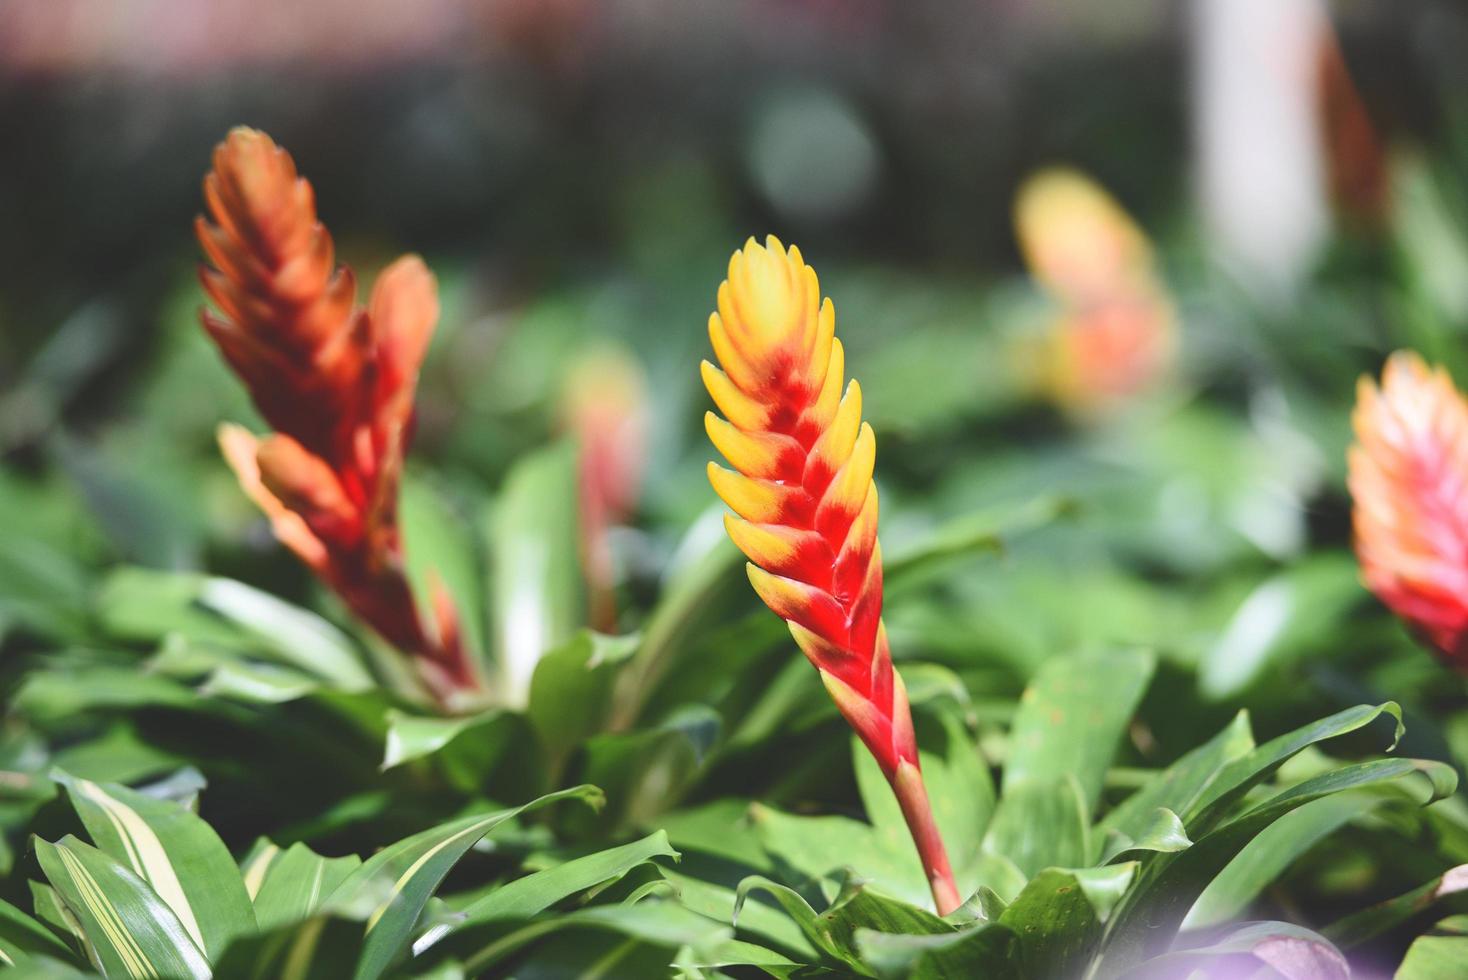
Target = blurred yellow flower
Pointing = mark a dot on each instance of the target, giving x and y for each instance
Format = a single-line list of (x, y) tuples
[(1115, 335)]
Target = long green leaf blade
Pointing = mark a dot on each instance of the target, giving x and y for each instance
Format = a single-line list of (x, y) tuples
[(413, 869), (1072, 716), (539, 891), (297, 884), (22, 936)]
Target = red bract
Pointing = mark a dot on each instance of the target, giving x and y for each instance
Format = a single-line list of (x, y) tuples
[(807, 507), (1409, 480), (335, 380)]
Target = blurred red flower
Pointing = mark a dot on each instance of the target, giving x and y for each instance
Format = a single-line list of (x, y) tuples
[(1409, 481)]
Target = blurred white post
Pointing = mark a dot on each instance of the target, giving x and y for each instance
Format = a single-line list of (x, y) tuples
[(1260, 167)]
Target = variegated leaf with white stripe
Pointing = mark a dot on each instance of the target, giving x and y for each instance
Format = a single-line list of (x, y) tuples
[(256, 864), (415, 867), (133, 933), (174, 851), (297, 883)]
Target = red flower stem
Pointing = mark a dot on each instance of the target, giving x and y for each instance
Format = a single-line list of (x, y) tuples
[(907, 784)]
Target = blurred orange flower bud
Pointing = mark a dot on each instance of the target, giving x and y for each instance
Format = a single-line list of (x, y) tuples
[(336, 381), (1409, 481)]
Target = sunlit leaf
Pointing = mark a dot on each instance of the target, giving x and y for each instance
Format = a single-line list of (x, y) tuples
[(537, 594), (175, 852), (414, 868)]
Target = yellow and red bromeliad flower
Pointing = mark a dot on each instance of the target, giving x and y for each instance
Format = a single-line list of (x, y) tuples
[(801, 487), (1409, 483), (335, 380)]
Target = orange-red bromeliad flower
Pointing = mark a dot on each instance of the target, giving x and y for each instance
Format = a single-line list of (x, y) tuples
[(1409, 481), (801, 485), (335, 380)]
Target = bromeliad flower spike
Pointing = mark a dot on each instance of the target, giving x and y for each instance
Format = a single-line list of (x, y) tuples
[(335, 380), (1409, 481), (807, 508)]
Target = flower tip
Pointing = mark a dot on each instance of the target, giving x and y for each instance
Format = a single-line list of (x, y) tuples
[(236, 443)]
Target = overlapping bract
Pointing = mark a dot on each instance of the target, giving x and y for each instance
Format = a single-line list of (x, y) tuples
[(1115, 335), (802, 483), (806, 507), (1409, 481), (335, 380)]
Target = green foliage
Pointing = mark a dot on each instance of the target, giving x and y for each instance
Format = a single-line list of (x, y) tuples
[(1114, 632)]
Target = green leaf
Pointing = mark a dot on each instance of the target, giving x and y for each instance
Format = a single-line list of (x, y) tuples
[(534, 893), (258, 683), (662, 924), (147, 606), (142, 605), (438, 554), (690, 587), (1245, 772), (59, 695), (644, 772), (818, 930), (571, 690), (175, 852), (1179, 787), (1071, 717), (1040, 825), (764, 923), (415, 867), (1059, 915), (1438, 955), (1270, 854), (959, 785), (1165, 833), (133, 933), (297, 884), (22, 937), (984, 950), (131, 509), (735, 952), (537, 594), (1372, 922), (295, 636), (318, 948), (1279, 622), (970, 534), (815, 847), (42, 967), (51, 910), (412, 736), (1172, 882), (860, 908), (256, 864)]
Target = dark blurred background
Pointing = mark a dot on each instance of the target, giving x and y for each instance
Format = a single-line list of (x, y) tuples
[(543, 140), (576, 170)]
